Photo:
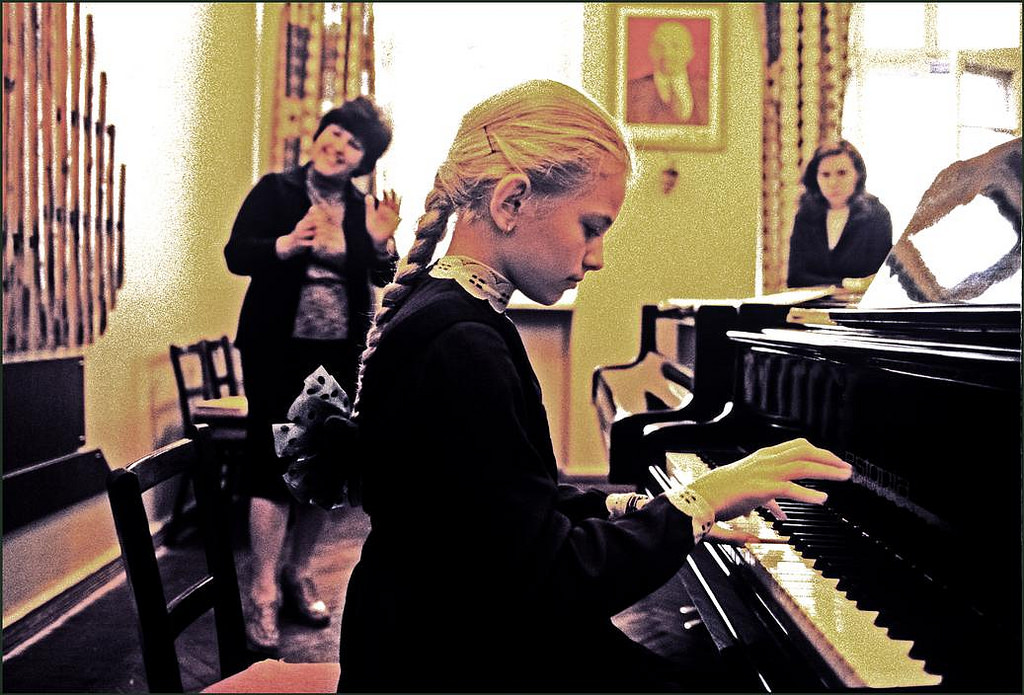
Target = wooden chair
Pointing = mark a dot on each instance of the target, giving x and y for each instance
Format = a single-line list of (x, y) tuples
[(161, 621), (276, 676), (189, 364), (209, 393), (220, 368), (224, 412), (202, 372)]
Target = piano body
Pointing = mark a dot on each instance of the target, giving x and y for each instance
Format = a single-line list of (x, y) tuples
[(909, 577), (659, 385), (682, 370)]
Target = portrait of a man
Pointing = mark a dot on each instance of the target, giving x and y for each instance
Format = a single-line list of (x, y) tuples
[(667, 71)]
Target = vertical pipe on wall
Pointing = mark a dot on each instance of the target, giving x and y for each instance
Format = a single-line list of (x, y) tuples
[(32, 269), (75, 315), (100, 262), (13, 89), (87, 253), (59, 38)]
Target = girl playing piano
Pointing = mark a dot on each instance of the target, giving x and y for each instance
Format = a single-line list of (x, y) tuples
[(481, 572)]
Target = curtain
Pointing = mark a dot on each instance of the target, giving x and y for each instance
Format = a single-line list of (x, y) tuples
[(806, 71), (324, 57)]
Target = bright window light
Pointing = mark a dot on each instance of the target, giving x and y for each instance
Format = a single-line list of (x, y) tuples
[(978, 24), (911, 108), (985, 101), (894, 25), (436, 60)]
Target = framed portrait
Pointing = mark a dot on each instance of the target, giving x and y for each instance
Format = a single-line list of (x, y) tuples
[(669, 74)]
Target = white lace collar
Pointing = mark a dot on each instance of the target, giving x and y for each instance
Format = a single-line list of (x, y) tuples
[(480, 280)]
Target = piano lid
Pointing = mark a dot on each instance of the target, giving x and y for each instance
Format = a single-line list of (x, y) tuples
[(963, 243)]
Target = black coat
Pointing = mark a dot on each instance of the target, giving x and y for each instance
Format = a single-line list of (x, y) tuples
[(273, 207), (865, 242), (481, 572)]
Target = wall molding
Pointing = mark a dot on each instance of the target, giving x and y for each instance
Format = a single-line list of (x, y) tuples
[(65, 603)]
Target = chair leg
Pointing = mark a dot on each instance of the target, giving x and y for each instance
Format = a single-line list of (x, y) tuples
[(181, 515)]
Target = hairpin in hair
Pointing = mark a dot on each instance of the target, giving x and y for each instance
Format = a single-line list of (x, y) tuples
[(490, 143)]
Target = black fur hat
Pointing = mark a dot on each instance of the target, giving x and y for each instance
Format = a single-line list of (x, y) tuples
[(365, 121)]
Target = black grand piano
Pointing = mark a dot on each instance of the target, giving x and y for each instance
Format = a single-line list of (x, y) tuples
[(909, 577), (683, 369)]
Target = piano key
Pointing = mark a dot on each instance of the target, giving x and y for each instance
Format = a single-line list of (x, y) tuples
[(901, 609), (860, 652)]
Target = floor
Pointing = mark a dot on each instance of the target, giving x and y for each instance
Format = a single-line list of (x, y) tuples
[(95, 649)]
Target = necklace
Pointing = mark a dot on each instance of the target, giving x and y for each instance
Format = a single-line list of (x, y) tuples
[(324, 190)]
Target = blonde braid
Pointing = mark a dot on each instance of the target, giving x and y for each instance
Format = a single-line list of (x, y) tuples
[(430, 231)]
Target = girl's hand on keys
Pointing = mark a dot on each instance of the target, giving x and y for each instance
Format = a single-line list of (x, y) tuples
[(767, 474)]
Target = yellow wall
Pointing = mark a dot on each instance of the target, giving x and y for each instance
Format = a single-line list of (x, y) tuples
[(698, 241), (181, 89)]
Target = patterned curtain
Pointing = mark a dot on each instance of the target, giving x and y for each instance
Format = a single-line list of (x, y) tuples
[(325, 56), (806, 71)]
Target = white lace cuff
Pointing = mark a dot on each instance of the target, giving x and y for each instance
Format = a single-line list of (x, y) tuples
[(694, 506), (620, 503)]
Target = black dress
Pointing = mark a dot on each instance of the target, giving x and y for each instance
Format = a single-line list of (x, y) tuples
[(274, 364), (481, 572)]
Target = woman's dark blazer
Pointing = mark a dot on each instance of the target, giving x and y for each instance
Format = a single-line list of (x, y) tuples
[(862, 248), (273, 207)]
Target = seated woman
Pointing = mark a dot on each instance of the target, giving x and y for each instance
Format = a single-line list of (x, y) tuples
[(842, 233)]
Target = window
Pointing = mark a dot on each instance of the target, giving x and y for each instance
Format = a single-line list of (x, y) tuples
[(930, 83), (436, 60), (988, 104)]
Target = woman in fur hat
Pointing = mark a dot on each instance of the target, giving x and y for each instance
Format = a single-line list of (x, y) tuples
[(312, 244)]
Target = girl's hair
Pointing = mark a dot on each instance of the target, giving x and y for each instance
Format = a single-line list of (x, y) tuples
[(812, 192), (548, 131)]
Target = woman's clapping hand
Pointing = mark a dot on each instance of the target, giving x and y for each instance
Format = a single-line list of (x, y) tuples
[(382, 216)]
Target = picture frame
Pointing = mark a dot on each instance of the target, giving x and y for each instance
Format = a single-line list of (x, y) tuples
[(668, 89)]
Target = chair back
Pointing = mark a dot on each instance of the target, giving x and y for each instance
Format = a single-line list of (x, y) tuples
[(208, 387), (190, 368), (161, 621), (220, 367)]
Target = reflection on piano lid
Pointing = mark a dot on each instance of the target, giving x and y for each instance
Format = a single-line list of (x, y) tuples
[(963, 243)]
